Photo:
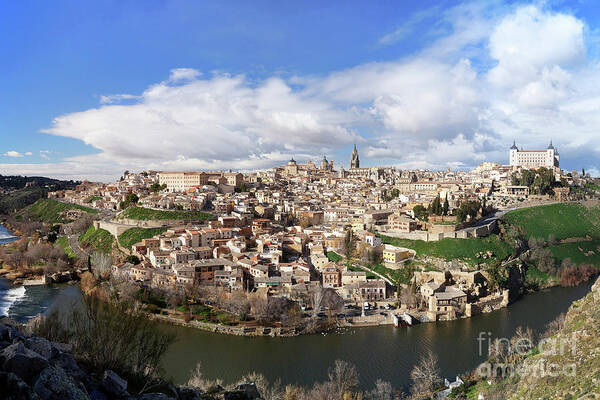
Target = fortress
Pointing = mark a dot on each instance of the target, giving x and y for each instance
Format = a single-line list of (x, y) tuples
[(533, 159)]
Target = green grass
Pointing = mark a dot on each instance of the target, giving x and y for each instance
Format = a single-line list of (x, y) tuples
[(135, 235), (63, 242), (535, 277), (456, 249), (144, 214), (577, 252), (593, 186), (49, 210), (370, 275), (99, 239), (404, 274), (93, 198), (333, 256), (563, 220)]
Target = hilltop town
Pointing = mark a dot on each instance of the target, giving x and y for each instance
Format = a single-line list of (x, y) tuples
[(304, 245)]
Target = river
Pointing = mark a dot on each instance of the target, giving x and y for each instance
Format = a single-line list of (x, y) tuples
[(6, 236), (378, 352)]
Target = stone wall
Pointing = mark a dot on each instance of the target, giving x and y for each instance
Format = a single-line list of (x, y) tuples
[(478, 231)]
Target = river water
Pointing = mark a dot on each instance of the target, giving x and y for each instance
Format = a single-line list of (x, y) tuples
[(384, 352), (6, 236)]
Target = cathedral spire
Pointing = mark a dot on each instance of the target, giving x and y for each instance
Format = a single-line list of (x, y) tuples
[(354, 160)]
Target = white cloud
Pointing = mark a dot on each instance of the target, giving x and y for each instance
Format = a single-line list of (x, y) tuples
[(491, 74), (28, 153), (218, 121), (115, 98), (12, 153), (183, 74), (531, 40)]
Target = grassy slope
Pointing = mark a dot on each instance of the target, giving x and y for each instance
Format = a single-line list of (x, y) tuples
[(134, 235), (99, 239), (583, 322), (563, 220), (579, 252), (333, 256), (451, 249), (141, 213), (63, 242), (49, 210), (20, 198)]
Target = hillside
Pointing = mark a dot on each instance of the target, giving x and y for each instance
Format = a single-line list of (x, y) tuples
[(575, 369), (557, 236), (135, 235), (455, 249), (17, 192), (562, 220), (99, 239), (49, 210), (145, 214)]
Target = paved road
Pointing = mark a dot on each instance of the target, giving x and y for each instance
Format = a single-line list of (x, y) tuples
[(74, 243)]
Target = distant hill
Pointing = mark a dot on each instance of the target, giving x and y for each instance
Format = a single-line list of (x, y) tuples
[(17, 192), (52, 211)]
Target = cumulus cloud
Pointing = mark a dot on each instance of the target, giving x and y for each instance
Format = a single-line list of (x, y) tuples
[(220, 120), (531, 40), (491, 75), (12, 153)]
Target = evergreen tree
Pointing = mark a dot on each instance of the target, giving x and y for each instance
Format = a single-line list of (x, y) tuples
[(349, 243), (436, 206), (446, 206)]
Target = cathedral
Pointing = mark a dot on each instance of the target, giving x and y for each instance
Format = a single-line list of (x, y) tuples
[(354, 161), (356, 171)]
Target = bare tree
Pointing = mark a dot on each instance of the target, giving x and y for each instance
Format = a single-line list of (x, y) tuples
[(317, 299), (267, 391), (83, 223), (554, 326), (259, 307), (425, 375), (343, 377), (101, 264), (197, 380), (382, 391)]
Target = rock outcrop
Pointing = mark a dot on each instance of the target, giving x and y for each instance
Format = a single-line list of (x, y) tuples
[(32, 367)]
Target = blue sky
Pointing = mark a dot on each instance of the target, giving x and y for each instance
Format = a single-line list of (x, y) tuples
[(247, 85)]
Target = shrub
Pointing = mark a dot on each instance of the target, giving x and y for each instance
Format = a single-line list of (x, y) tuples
[(574, 275), (113, 336)]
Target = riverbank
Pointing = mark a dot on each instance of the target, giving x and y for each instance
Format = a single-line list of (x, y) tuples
[(379, 352)]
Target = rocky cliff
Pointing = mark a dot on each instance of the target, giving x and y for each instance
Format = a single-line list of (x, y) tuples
[(32, 367), (563, 365)]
